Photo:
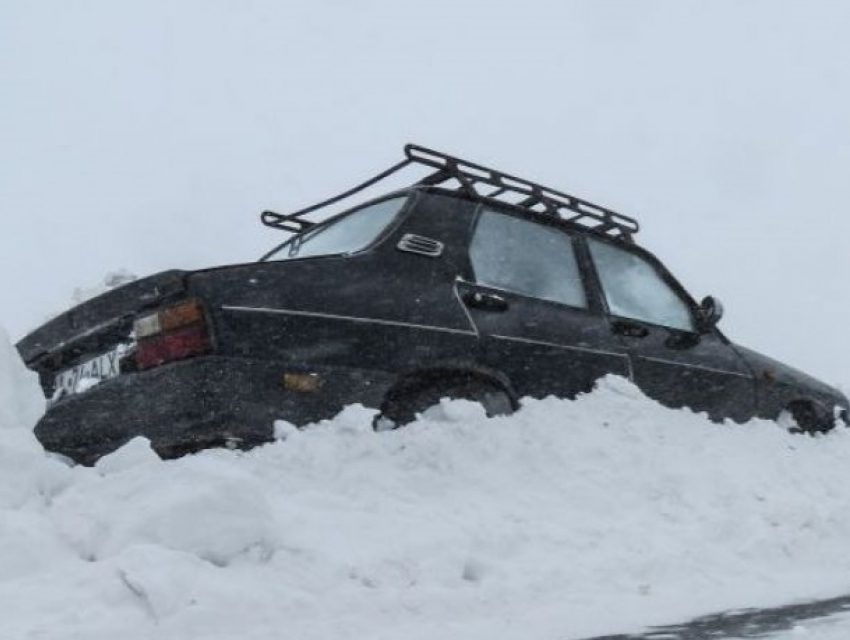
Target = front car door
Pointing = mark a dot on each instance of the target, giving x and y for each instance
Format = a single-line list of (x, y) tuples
[(672, 361), (537, 322)]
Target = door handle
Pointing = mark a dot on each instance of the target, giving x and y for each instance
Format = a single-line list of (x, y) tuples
[(629, 329), (485, 301)]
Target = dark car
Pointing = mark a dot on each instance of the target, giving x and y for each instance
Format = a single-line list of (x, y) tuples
[(471, 283)]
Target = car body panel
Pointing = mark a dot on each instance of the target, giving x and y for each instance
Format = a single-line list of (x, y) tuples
[(700, 372), (383, 308), (546, 348), (189, 405), (778, 385)]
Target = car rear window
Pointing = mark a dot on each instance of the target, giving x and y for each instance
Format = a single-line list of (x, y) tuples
[(349, 233)]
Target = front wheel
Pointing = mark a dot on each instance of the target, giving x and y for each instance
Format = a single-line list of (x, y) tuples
[(806, 418)]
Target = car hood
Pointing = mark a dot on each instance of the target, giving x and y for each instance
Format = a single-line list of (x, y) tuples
[(765, 367)]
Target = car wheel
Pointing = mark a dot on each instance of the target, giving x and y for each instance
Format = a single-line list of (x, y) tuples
[(807, 419), (402, 408)]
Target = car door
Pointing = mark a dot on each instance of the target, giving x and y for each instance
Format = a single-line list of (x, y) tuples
[(536, 321), (672, 360)]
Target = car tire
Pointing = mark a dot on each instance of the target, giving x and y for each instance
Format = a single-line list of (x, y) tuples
[(403, 408), (808, 419)]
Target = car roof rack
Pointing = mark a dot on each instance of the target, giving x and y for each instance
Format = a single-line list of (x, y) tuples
[(477, 181)]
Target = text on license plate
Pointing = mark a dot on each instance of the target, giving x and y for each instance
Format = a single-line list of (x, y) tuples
[(87, 374)]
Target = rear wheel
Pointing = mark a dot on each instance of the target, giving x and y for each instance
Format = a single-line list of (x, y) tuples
[(403, 405)]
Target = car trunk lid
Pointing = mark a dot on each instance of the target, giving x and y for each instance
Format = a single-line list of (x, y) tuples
[(98, 328)]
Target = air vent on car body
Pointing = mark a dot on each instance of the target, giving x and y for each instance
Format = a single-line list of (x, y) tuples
[(412, 243)]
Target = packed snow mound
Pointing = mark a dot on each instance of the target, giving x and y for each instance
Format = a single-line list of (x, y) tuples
[(23, 468), (21, 400), (565, 520), (112, 280)]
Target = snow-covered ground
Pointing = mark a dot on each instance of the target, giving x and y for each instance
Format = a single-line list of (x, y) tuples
[(566, 520), (837, 628)]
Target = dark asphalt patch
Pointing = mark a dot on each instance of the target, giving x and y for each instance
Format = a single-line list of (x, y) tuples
[(742, 623)]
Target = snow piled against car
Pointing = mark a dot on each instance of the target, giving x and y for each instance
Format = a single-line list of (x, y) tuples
[(565, 520)]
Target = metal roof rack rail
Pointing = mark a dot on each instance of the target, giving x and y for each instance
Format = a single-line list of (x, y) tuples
[(477, 181)]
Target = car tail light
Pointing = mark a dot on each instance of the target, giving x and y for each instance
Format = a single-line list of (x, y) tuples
[(174, 333)]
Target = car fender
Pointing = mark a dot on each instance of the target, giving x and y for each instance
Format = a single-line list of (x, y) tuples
[(779, 385), (409, 380)]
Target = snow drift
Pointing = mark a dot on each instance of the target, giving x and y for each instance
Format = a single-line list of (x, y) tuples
[(565, 520)]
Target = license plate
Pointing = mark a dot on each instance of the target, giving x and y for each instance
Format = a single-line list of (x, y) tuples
[(85, 375)]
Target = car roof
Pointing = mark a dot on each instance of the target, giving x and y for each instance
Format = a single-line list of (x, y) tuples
[(527, 213)]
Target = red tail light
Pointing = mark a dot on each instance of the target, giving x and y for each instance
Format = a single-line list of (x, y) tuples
[(172, 334)]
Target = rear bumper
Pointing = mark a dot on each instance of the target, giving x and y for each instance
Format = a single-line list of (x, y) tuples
[(189, 405)]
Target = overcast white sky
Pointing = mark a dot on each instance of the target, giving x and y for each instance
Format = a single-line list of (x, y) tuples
[(148, 135)]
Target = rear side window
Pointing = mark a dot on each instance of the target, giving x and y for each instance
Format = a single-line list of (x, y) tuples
[(352, 232), (634, 289), (525, 257)]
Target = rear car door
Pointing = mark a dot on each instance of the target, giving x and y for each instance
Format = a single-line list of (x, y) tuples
[(672, 361), (527, 299)]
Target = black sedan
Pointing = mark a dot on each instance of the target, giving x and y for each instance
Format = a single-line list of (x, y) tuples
[(471, 283)]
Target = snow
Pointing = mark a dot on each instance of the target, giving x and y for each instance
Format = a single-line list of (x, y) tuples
[(112, 280), (831, 629), (565, 520), (21, 400)]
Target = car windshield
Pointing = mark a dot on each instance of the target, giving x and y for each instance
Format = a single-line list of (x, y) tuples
[(349, 233)]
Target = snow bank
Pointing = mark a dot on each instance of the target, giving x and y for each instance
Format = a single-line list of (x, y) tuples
[(112, 280), (21, 401), (565, 520), (21, 456)]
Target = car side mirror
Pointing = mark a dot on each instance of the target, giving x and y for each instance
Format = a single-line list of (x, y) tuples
[(709, 314)]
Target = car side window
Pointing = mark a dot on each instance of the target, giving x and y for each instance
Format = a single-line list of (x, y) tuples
[(634, 288), (526, 257)]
